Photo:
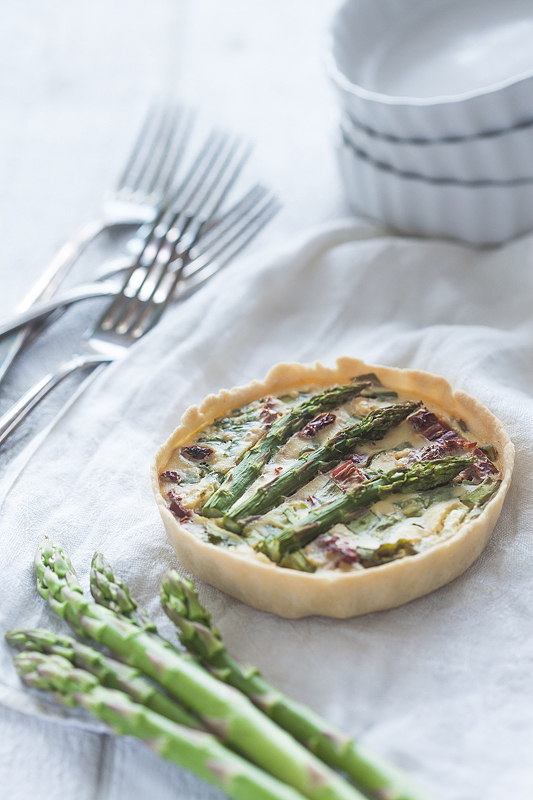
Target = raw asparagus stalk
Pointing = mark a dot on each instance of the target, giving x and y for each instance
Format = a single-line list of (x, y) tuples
[(373, 427), (251, 465), (424, 475), (377, 779), (110, 591), (110, 673), (198, 751), (235, 719)]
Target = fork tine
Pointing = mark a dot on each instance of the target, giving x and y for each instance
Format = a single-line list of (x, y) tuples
[(169, 278), (172, 168), (201, 254), (156, 149), (175, 133), (213, 193), (240, 156), (139, 143), (228, 163), (201, 192), (203, 177), (237, 236), (202, 272), (173, 225), (180, 197), (161, 121), (170, 230), (158, 230), (233, 215)]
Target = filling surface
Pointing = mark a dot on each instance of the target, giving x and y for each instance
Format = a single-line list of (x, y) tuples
[(344, 478)]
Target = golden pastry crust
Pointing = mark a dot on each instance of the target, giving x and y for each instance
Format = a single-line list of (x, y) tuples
[(289, 593)]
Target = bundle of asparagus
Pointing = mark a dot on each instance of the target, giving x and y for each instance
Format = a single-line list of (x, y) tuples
[(190, 708)]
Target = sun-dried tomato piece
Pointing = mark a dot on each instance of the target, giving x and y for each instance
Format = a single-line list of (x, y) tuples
[(482, 468), (267, 414), (446, 442), (444, 447), (317, 424), (176, 507), (334, 544), (170, 476), (348, 470), (197, 452), (428, 424)]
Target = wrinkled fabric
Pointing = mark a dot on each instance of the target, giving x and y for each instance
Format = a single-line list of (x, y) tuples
[(441, 686)]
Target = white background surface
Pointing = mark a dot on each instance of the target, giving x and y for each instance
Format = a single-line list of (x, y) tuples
[(441, 686)]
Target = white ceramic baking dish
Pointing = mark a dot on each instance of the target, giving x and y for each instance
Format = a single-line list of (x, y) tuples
[(481, 214), (434, 68), (503, 156)]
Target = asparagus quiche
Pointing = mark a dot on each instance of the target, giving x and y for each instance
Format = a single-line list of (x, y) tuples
[(334, 491)]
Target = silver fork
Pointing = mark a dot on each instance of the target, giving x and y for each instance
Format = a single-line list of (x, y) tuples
[(180, 271), (196, 200), (144, 187)]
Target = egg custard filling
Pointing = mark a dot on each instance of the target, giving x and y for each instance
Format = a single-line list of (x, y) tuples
[(341, 478)]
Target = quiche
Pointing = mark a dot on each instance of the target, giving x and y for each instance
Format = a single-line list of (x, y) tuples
[(335, 491)]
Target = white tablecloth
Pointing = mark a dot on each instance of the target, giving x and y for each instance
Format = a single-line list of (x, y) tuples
[(440, 686)]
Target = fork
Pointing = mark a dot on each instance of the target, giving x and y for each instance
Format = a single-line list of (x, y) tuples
[(143, 188), (175, 274), (195, 201)]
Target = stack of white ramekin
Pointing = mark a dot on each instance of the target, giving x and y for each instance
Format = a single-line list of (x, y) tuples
[(436, 133)]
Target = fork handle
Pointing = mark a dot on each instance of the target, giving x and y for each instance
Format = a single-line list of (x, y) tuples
[(20, 410), (57, 269), (46, 285), (40, 310)]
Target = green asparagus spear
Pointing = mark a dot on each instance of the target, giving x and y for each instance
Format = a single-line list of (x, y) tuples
[(109, 672), (251, 465), (110, 591), (374, 426), (200, 752), (229, 712), (377, 779), (424, 475)]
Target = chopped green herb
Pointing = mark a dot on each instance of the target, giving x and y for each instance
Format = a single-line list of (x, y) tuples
[(192, 476), (389, 551), (328, 492), (438, 495), (290, 514), (381, 395), (481, 494), (387, 521), (298, 561), (371, 376), (412, 507), (215, 538), (364, 523)]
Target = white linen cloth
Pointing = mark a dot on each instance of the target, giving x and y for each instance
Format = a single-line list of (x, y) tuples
[(441, 686)]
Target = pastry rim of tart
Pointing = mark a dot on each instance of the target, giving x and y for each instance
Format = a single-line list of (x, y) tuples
[(263, 584)]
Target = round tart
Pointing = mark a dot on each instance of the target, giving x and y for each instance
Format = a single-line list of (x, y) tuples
[(334, 491)]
